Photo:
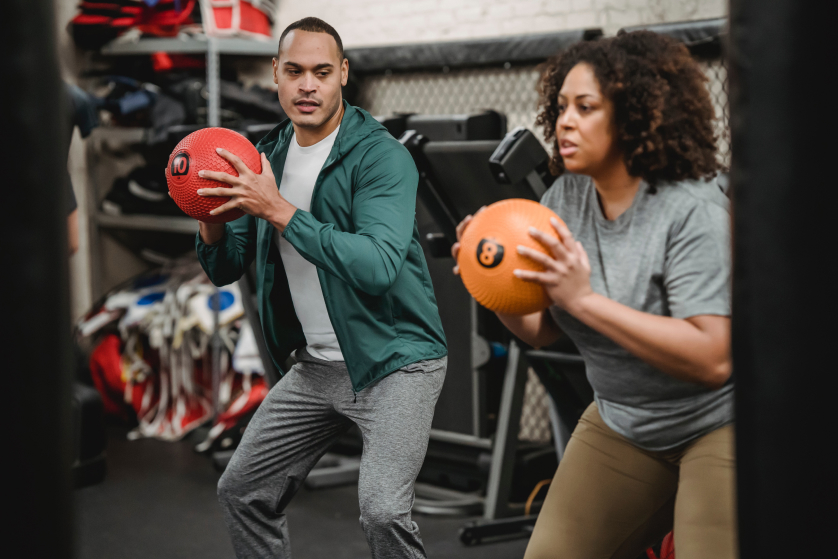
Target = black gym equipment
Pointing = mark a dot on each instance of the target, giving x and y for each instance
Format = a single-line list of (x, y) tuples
[(37, 355), (782, 182), (562, 372), (88, 427), (457, 177), (531, 48)]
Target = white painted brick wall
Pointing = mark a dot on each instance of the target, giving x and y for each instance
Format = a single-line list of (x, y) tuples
[(386, 22)]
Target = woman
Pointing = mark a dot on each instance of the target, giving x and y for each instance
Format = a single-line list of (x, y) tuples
[(640, 282)]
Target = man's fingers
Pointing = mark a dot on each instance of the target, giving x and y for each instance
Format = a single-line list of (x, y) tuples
[(455, 250), (218, 191), (231, 205), (234, 160), (456, 270), (218, 176), (266, 165)]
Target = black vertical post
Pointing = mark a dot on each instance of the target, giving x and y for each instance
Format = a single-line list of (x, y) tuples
[(35, 354), (785, 149)]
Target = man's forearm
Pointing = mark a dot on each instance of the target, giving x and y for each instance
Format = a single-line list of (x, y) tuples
[(211, 233)]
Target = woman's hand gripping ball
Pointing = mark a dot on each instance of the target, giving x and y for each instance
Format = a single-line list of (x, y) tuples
[(567, 271)]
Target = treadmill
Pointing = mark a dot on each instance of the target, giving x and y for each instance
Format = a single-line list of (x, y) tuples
[(457, 177)]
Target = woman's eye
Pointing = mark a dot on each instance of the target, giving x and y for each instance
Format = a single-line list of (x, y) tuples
[(561, 108), (584, 108)]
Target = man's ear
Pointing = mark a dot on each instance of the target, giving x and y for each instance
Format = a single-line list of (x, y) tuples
[(275, 63), (344, 72)]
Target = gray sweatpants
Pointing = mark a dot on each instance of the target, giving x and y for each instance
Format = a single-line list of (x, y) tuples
[(303, 415)]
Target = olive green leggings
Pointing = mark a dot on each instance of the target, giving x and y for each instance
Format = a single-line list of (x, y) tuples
[(611, 499)]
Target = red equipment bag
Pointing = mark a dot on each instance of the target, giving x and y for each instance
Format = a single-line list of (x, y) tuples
[(667, 548), (238, 18), (166, 17)]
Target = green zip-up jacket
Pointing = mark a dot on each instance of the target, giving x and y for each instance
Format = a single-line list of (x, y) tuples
[(361, 234)]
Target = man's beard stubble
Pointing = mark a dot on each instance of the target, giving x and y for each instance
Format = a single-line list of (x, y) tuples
[(333, 110)]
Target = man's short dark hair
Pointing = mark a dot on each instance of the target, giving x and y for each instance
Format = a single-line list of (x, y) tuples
[(313, 25)]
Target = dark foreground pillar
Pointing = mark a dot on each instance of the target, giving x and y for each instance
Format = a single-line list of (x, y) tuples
[(34, 357), (784, 180)]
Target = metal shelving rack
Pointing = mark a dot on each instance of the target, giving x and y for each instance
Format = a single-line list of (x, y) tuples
[(213, 49)]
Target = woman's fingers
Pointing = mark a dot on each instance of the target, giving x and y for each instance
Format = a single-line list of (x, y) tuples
[(583, 256), (564, 233), (536, 256), (462, 226), (551, 243), (455, 250), (532, 276)]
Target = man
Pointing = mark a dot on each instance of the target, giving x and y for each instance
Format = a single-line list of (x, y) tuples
[(82, 113), (341, 278)]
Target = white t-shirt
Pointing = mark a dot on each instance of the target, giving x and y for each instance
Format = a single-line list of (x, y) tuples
[(302, 166)]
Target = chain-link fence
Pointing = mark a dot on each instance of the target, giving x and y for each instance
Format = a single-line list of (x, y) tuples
[(716, 72), (511, 90)]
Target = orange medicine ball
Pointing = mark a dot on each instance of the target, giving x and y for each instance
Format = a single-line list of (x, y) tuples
[(489, 254)]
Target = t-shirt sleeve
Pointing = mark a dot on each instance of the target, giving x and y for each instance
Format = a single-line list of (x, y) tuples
[(697, 266), (552, 197)]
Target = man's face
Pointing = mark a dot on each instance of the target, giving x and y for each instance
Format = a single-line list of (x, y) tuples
[(309, 73)]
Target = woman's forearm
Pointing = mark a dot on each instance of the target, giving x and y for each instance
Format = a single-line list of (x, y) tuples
[(696, 349), (536, 329)]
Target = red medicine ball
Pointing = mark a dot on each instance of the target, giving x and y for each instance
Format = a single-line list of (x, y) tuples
[(196, 152)]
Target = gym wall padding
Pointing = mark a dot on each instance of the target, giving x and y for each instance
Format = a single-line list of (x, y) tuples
[(519, 49), (36, 323), (704, 37), (783, 120)]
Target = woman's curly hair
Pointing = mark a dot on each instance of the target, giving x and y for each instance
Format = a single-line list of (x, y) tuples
[(662, 108)]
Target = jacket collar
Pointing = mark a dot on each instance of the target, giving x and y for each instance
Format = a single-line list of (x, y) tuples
[(356, 125)]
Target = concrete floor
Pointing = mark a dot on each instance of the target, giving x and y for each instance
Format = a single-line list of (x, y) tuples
[(158, 501)]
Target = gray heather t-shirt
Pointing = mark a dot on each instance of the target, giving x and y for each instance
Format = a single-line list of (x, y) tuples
[(669, 255)]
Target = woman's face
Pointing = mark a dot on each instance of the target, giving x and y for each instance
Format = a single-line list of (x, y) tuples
[(585, 130)]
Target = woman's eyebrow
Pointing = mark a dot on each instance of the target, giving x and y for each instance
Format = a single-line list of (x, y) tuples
[(580, 96)]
